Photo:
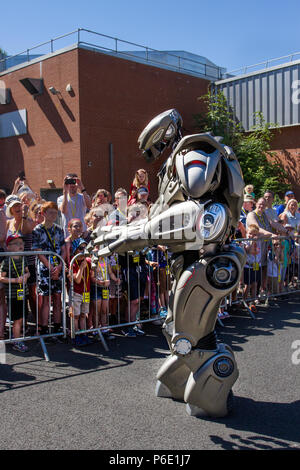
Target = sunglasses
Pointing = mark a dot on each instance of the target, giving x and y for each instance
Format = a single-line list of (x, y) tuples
[(81, 248)]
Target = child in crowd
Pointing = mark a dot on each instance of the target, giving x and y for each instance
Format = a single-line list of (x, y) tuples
[(49, 237), (3, 308), (249, 190), (252, 269), (115, 287), (222, 313), (275, 260), (81, 290), (95, 218), (288, 245), (163, 278), (297, 257), (100, 281), (16, 288), (135, 272), (152, 280), (75, 229)]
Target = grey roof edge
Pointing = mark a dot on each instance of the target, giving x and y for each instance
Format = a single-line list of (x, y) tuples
[(257, 72), (119, 54), (127, 56), (39, 59)]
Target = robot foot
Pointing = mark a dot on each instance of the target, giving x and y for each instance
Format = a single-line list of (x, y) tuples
[(193, 410), (162, 390)]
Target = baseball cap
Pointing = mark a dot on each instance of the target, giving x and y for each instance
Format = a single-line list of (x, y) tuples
[(13, 236), (289, 193), (77, 243), (143, 190)]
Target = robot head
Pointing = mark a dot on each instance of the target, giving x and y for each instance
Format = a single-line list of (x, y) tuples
[(198, 163), (160, 133)]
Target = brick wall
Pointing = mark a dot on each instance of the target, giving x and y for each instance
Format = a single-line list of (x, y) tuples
[(286, 144), (117, 100), (52, 145), (112, 101)]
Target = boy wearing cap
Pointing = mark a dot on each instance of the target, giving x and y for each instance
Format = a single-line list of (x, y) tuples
[(81, 289), (141, 195), (16, 287)]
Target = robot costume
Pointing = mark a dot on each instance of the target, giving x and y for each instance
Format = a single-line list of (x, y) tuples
[(198, 207)]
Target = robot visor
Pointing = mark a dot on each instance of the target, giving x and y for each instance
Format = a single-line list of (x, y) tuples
[(195, 163)]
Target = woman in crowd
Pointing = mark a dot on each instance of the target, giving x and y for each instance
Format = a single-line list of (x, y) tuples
[(140, 180), (291, 216), (267, 227), (19, 222), (101, 197)]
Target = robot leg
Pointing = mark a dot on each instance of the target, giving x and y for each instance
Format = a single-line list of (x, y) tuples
[(208, 391), (200, 371)]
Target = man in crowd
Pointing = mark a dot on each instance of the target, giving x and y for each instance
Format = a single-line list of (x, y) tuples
[(271, 213), (119, 216), (287, 197), (74, 202)]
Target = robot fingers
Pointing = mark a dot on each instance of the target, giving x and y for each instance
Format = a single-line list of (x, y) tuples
[(105, 251)]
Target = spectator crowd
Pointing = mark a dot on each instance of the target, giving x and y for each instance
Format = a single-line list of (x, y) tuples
[(115, 289), (31, 286), (269, 234)]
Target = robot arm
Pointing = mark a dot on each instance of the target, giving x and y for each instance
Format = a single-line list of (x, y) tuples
[(175, 227)]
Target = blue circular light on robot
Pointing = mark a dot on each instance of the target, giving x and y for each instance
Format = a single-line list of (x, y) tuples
[(222, 275), (182, 346), (223, 366), (208, 220)]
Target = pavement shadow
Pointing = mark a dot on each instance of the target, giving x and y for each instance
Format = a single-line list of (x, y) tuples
[(240, 327), (269, 425), (10, 377)]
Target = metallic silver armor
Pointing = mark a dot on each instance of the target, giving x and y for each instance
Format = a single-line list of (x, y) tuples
[(199, 203)]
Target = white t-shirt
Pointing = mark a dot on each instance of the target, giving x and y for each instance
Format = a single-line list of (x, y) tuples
[(272, 268), (271, 213), (253, 259), (76, 210), (293, 220)]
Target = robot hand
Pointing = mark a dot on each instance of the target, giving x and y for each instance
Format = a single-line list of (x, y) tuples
[(121, 239)]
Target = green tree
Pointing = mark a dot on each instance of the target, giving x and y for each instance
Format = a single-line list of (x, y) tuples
[(261, 167)]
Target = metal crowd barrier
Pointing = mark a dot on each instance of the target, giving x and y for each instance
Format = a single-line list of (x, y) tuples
[(275, 275), (285, 267), (122, 319), (27, 324)]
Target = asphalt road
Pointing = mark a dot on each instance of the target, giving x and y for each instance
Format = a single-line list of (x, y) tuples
[(91, 399)]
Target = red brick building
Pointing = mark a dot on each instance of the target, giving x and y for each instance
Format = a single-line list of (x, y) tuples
[(92, 123)]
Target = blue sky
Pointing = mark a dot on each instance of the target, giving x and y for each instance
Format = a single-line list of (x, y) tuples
[(230, 33)]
